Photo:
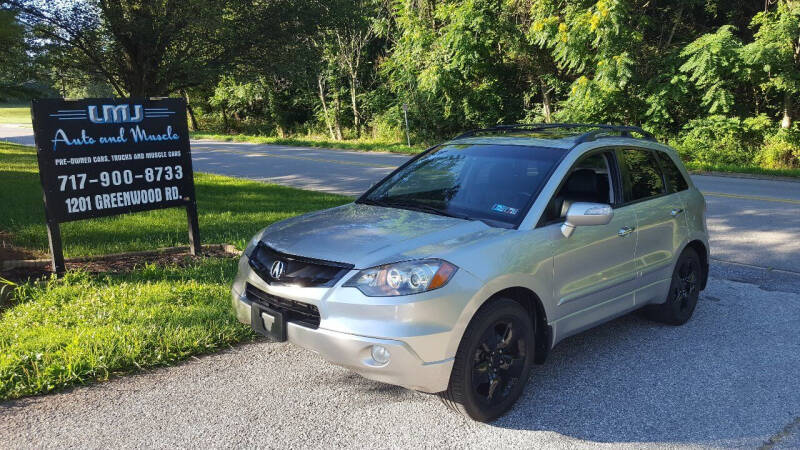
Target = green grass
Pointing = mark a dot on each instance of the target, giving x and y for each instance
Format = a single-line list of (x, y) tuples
[(365, 145), (85, 328), (15, 113), (753, 170), (230, 210)]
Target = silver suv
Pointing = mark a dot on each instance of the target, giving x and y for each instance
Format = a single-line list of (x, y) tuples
[(465, 266)]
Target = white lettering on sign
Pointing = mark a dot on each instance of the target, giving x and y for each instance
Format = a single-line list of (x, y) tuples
[(116, 114), (131, 198), (137, 133)]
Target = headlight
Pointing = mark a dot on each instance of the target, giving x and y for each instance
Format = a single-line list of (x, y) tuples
[(403, 278)]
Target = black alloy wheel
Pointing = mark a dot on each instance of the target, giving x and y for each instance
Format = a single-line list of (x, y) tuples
[(684, 291), (493, 361), (498, 361)]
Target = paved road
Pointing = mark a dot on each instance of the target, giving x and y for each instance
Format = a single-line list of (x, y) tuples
[(19, 134), (727, 378)]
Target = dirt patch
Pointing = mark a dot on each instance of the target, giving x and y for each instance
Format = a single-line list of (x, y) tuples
[(9, 252), (119, 263)]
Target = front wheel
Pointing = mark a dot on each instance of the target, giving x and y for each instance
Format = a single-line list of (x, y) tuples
[(493, 361), (684, 291)]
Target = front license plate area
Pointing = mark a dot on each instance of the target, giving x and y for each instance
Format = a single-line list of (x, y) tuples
[(268, 322)]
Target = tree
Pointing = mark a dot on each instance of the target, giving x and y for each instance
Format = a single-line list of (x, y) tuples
[(352, 35), (141, 47), (776, 51), (464, 63), (714, 65), (14, 62)]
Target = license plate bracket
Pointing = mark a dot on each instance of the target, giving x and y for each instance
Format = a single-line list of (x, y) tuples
[(268, 322)]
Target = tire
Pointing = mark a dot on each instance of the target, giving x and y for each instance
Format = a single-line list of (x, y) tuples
[(493, 361), (684, 291)]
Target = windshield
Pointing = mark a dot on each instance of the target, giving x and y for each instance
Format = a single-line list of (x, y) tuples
[(494, 183)]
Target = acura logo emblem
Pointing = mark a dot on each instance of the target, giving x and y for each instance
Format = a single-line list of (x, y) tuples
[(277, 270)]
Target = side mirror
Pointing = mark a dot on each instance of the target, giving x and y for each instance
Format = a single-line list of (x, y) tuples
[(583, 214)]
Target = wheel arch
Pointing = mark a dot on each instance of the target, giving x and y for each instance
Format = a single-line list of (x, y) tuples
[(702, 251), (533, 304)]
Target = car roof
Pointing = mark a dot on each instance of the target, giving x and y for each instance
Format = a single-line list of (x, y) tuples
[(515, 140), (566, 136)]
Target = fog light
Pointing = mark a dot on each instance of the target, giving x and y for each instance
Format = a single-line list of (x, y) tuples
[(380, 354)]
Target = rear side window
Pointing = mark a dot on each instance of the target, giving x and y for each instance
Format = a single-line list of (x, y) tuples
[(641, 174), (675, 180)]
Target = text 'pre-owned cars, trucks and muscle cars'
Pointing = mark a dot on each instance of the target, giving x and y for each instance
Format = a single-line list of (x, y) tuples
[(463, 268)]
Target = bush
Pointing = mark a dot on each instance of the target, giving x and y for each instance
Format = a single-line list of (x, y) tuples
[(723, 140), (781, 150)]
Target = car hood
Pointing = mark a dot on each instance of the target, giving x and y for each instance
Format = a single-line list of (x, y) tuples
[(366, 235)]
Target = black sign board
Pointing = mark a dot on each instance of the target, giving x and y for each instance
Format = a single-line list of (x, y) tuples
[(102, 157)]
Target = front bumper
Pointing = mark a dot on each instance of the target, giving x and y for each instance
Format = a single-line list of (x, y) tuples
[(405, 367), (422, 332)]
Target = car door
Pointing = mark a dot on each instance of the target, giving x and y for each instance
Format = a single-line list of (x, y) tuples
[(594, 269), (660, 221)]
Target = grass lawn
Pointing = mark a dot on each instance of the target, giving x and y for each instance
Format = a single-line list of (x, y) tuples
[(752, 170), (230, 210), (15, 113), (87, 327), (365, 145)]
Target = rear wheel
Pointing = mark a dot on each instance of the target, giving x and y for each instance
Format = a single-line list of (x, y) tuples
[(493, 361), (684, 291)]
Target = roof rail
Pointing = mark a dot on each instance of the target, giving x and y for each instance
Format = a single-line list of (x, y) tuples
[(599, 129)]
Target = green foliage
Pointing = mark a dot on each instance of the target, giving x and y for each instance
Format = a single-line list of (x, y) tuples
[(461, 64), (714, 64), (781, 150), (14, 60), (723, 140), (292, 69), (776, 47)]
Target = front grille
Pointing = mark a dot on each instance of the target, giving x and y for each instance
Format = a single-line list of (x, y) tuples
[(294, 311), (297, 270)]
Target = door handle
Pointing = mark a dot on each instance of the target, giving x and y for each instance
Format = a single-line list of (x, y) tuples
[(676, 211), (624, 231)]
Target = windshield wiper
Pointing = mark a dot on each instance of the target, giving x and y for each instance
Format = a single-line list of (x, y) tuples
[(421, 207)]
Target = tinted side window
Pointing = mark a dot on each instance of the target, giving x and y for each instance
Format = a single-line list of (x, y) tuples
[(675, 180), (588, 181), (641, 174)]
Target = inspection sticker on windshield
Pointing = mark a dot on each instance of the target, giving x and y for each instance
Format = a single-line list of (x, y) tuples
[(505, 209)]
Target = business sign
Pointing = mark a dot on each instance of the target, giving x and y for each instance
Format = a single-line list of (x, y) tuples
[(102, 157)]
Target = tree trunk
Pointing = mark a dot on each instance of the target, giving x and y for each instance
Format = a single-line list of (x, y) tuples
[(225, 119), (356, 118), (190, 110), (337, 125), (325, 107), (787, 110), (547, 107)]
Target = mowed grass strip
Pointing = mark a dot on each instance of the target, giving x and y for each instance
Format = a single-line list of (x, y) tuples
[(231, 210), (15, 113), (362, 145), (84, 327)]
